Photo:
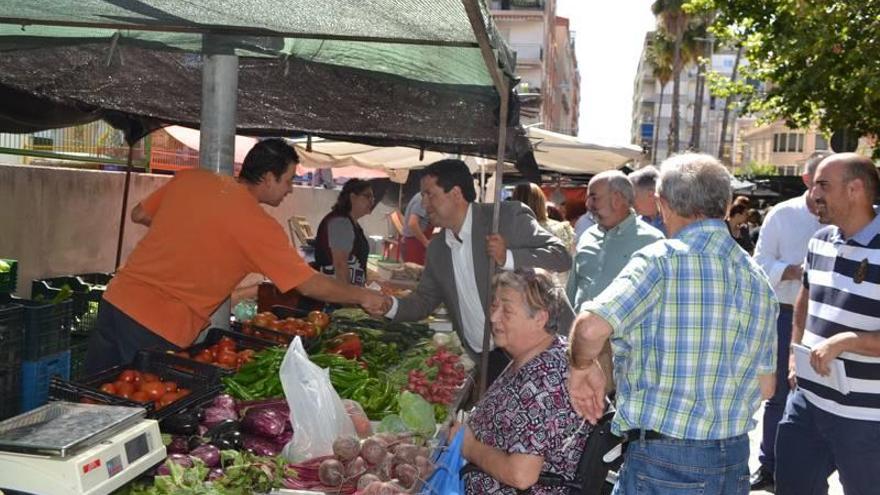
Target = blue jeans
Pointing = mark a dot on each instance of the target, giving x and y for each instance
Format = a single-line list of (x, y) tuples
[(775, 406), (812, 443), (666, 466)]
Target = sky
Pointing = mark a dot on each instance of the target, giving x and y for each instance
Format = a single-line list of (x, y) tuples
[(608, 39)]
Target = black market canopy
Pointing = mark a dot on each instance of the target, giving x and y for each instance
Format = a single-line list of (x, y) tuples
[(380, 72)]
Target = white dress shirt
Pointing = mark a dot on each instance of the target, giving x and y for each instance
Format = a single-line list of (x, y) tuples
[(473, 319), (783, 240)]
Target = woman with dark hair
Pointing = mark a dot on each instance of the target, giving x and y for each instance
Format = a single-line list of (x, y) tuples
[(736, 219), (341, 248)]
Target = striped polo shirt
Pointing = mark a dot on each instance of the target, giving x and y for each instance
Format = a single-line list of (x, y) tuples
[(843, 279)]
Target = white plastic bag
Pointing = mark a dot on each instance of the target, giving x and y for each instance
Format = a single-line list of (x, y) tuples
[(316, 411)]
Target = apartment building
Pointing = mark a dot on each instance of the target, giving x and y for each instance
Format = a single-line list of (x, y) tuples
[(546, 64), (650, 120)]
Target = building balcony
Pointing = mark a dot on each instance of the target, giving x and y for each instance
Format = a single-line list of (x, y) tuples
[(516, 5), (528, 53)]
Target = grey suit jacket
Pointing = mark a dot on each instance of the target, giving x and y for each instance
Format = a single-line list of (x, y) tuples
[(530, 244)]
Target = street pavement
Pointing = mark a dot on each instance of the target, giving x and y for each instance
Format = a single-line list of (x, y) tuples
[(755, 449)]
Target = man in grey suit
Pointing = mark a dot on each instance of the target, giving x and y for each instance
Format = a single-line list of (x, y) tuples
[(457, 260)]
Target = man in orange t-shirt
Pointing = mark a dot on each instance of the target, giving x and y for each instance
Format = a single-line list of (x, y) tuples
[(206, 233)]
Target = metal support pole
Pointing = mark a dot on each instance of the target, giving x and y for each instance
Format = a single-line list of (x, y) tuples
[(501, 85), (217, 140)]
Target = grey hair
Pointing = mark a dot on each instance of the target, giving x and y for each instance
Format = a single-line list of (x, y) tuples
[(539, 291), (617, 182), (695, 184), (645, 178), (814, 160)]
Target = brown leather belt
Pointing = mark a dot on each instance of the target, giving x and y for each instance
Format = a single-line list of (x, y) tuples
[(786, 306)]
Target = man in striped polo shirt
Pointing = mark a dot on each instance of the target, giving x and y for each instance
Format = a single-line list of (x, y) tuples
[(837, 315)]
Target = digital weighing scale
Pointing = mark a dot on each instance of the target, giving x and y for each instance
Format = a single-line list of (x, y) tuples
[(65, 448)]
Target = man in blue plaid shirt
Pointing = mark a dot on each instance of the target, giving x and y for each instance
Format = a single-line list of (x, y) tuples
[(692, 326)]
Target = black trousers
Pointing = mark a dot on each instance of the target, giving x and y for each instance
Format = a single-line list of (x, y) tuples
[(117, 338)]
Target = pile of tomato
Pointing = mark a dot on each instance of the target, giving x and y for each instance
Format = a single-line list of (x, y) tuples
[(224, 354), (145, 387), (307, 328)]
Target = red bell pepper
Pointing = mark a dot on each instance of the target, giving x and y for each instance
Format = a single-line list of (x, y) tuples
[(347, 345)]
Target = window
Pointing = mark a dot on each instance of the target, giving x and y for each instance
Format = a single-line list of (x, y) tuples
[(821, 142), (788, 142)]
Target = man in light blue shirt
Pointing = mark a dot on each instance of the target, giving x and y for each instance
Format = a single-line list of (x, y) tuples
[(606, 247)]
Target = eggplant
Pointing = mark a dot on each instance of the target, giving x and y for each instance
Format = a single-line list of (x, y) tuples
[(183, 423), (231, 440), (195, 442), (222, 428)]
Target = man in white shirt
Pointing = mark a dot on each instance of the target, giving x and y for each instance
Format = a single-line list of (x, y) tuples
[(457, 261), (781, 249)]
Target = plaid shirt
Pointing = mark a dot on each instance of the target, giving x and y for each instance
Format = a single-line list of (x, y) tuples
[(694, 324)]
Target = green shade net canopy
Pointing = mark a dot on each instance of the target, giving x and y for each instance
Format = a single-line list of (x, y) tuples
[(381, 72)]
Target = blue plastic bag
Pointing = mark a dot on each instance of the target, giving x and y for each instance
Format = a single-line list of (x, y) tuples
[(445, 479)]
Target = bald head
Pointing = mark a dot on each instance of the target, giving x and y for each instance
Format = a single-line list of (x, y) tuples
[(856, 167)]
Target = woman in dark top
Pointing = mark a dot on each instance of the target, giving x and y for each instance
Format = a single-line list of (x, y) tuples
[(341, 248)]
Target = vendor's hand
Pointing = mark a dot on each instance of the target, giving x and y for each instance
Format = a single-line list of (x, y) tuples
[(587, 390), (375, 303), (496, 246), (792, 372), (822, 354)]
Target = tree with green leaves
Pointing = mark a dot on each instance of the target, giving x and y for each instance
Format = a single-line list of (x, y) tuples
[(674, 21), (660, 55), (818, 58)]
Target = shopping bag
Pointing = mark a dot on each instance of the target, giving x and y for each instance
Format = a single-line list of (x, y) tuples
[(446, 479), (317, 414)]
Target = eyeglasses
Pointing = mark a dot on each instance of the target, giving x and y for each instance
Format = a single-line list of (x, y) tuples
[(368, 194)]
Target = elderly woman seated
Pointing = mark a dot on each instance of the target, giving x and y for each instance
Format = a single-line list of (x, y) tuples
[(524, 425)]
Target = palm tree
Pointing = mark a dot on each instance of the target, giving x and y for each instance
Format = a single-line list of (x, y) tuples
[(660, 57), (696, 41), (674, 21), (727, 103)]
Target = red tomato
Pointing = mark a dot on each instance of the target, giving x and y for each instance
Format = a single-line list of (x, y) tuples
[(131, 376), (227, 344), (183, 392), (204, 356), (150, 377), (108, 388), (246, 356), (139, 397), (170, 386), (123, 389), (154, 390), (227, 358)]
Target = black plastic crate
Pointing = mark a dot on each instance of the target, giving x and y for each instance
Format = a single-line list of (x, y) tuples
[(46, 328), (202, 383), (79, 344), (10, 392), (11, 335), (242, 341), (83, 295), (96, 281), (8, 279)]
